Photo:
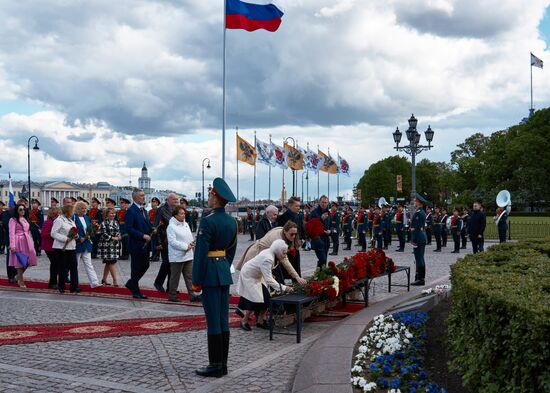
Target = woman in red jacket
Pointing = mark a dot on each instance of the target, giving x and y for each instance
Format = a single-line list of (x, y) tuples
[(47, 245)]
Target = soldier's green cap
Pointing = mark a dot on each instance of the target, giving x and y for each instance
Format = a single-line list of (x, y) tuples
[(222, 190), (421, 199)]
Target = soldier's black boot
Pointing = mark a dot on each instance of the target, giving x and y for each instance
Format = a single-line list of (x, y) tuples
[(419, 276), (215, 357), (225, 337)]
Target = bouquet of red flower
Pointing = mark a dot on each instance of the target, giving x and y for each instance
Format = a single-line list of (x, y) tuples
[(73, 234), (292, 252), (314, 228)]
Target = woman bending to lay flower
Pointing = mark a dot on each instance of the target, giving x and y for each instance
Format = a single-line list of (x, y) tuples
[(254, 277)]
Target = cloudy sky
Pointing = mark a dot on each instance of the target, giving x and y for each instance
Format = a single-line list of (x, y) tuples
[(107, 85)]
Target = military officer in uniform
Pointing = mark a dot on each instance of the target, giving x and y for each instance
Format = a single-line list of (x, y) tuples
[(121, 217), (96, 218), (155, 203), (37, 220), (429, 225), (361, 230), (418, 240), (444, 233), (398, 224), (502, 224), (456, 228), (214, 252), (335, 221), (347, 221), (53, 202), (250, 223), (437, 228), (465, 223), (377, 230)]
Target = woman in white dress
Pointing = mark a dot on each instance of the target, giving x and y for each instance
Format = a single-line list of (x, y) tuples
[(253, 281)]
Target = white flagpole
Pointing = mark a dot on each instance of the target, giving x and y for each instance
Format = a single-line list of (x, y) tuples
[(269, 179), (237, 138), (254, 174), (337, 175), (531, 110), (318, 177), (223, 105)]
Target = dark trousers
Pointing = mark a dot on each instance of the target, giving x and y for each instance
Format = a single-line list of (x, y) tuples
[(36, 238), (53, 268), (215, 301), (361, 237), (401, 237), (444, 237), (456, 241), (335, 241), (418, 252), (429, 235), (437, 235), (347, 238), (502, 229), (139, 263), (11, 271), (379, 241), (386, 235), (66, 260), (463, 237), (124, 246), (477, 244), (320, 247), (251, 231), (164, 269)]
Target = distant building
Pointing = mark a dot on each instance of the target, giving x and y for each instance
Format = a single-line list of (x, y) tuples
[(144, 182)]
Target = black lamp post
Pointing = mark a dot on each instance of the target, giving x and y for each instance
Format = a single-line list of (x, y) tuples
[(207, 167), (307, 178), (35, 148), (413, 148)]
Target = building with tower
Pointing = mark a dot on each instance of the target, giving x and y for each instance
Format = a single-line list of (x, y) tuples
[(144, 182)]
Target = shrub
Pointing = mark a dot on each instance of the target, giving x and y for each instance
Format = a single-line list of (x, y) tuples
[(499, 326)]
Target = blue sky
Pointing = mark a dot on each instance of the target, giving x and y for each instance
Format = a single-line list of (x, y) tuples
[(116, 84)]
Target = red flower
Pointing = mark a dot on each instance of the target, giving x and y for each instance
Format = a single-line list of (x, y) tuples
[(314, 228), (292, 251)]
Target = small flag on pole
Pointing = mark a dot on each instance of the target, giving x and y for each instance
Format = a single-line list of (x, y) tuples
[(294, 157), (535, 61), (329, 165), (279, 158), (245, 151), (265, 153), (343, 166), (11, 203), (252, 15)]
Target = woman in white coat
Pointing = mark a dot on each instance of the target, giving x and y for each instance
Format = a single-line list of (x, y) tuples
[(180, 254), (253, 281)]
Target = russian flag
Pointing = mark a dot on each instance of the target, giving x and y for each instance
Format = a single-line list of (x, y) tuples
[(11, 203), (252, 15)]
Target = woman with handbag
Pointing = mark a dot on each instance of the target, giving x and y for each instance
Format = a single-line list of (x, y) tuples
[(109, 245), (65, 234), (22, 252)]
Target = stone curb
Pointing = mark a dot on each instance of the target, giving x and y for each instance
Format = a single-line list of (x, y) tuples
[(325, 368)]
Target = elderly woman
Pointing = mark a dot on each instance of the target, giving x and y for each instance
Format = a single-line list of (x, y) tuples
[(255, 275), (180, 254), (64, 244), (289, 234), (21, 243), (84, 243), (109, 245), (47, 245)]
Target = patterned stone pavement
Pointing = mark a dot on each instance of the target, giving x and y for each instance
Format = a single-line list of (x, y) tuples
[(162, 362)]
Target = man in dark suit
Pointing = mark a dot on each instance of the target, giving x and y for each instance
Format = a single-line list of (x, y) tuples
[(292, 213), (268, 222), (476, 227), (162, 218), (214, 253), (321, 244), (139, 237)]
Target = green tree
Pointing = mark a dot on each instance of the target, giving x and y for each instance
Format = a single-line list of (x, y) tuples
[(380, 179)]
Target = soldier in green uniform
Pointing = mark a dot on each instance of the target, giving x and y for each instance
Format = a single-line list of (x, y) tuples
[(214, 252), (418, 239), (334, 228)]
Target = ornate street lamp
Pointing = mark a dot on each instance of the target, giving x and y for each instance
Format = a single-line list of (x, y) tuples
[(207, 167), (35, 148)]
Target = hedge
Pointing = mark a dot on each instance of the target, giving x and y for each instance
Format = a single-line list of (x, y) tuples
[(499, 326)]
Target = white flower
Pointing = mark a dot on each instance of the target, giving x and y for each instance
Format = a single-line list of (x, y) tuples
[(369, 387), (395, 391), (336, 284), (363, 349), (356, 369)]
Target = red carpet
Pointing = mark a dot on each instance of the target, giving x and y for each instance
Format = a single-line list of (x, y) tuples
[(26, 334), (105, 291)]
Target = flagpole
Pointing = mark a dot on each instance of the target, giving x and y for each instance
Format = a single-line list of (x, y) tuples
[(237, 138), (328, 176), (223, 105), (531, 110), (283, 187), (337, 176), (269, 178), (318, 177), (254, 175)]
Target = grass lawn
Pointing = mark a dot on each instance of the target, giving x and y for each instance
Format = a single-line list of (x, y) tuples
[(521, 228)]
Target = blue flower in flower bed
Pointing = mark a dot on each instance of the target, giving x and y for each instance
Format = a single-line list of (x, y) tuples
[(422, 375), (386, 369), (373, 367), (382, 382), (395, 383)]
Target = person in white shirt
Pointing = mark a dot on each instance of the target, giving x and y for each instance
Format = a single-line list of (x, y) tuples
[(180, 254), (84, 243), (64, 233)]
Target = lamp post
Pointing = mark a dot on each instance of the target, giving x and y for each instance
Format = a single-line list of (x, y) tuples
[(413, 148), (207, 167), (35, 148), (307, 178), (293, 171)]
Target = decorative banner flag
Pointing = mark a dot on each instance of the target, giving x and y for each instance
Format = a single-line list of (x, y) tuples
[(312, 161), (343, 166), (535, 61), (265, 153), (11, 203), (245, 151), (252, 15), (279, 156), (329, 165), (294, 157)]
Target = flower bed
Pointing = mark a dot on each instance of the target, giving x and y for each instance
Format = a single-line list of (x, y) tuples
[(389, 357)]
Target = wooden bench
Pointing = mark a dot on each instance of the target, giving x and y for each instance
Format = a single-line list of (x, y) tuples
[(364, 284), (294, 299)]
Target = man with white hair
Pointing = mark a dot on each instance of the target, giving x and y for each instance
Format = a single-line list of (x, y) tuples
[(268, 222), (162, 218)]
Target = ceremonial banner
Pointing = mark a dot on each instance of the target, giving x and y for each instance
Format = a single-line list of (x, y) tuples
[(279, 156), (265, 153), (312, 161), (252, 15), (399, 181), (11, 203), (535, 61), (294, 157), (343, 166), (328, 165), (245, 151)]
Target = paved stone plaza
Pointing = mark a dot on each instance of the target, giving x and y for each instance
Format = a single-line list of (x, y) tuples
[(162, 362)]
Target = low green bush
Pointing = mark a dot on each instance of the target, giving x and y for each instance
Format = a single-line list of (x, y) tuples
[(499, 326)]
